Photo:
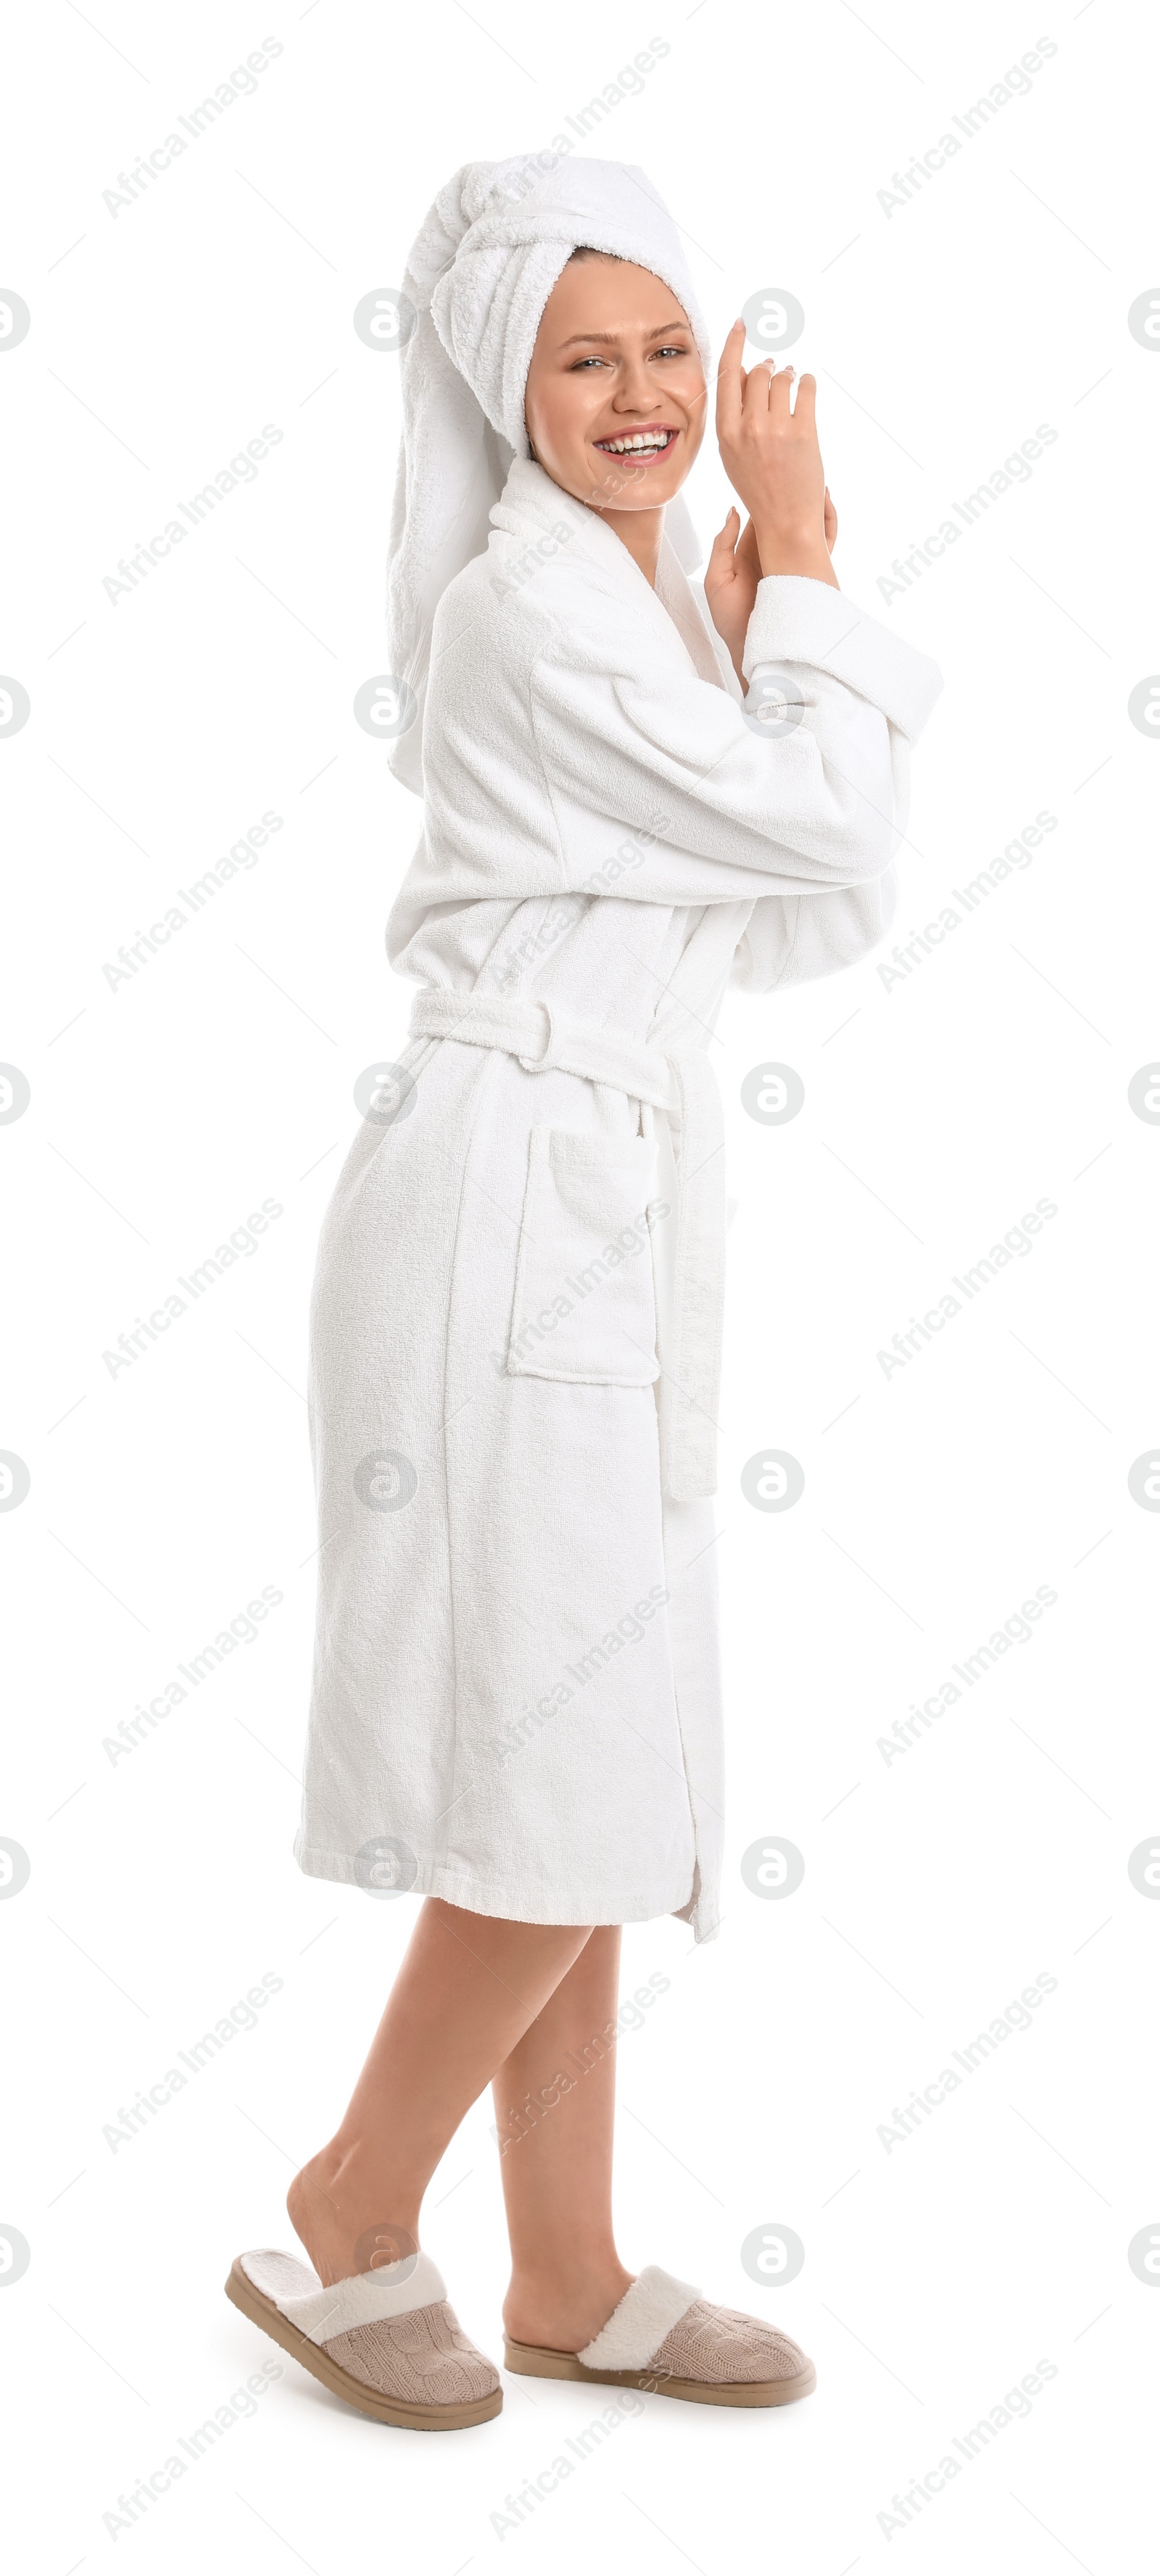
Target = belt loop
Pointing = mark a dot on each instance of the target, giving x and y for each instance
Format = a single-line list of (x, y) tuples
[(545, 1062)]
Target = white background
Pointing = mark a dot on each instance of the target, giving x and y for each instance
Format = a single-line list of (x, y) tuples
[(938, 2270)]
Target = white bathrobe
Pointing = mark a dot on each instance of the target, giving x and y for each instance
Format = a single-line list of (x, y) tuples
[(516, 1319)]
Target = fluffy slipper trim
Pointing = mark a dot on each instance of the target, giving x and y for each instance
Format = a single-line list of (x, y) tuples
[(637, 2328), (392, 2291)]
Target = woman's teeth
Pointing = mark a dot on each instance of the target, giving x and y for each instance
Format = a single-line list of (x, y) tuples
[(642, 438)]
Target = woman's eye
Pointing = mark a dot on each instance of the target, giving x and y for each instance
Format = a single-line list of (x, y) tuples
[(586, 362), (671, 351)]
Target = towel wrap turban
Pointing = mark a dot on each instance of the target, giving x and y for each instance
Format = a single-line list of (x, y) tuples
[(479, 274)]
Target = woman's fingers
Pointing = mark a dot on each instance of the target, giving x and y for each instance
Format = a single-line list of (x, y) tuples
[(730, 382), (768, 389), (755, 394), (721, 552), (769, 447), (759, 388)]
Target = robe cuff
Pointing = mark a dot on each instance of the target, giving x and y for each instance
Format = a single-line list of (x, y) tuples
[(799, 620)]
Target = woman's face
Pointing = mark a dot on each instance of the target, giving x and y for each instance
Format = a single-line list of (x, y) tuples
[(615, 401)]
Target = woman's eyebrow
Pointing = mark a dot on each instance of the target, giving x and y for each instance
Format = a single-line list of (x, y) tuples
[(612, 338)]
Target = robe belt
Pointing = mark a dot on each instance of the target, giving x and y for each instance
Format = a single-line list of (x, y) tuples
[(544, 1038)]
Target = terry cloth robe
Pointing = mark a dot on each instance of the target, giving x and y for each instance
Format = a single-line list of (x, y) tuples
[(516, 1700)]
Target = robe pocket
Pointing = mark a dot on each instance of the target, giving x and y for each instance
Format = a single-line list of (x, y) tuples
[(584, 1306)]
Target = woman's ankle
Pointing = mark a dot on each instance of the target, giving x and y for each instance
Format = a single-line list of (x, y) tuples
[(562, 2306), (351, 2213)]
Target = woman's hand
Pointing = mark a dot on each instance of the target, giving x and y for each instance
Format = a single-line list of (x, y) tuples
[(772, 458), (732, 575), (731, 578)]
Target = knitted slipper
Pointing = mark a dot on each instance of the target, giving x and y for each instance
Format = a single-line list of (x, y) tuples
[(665, 2337), (386, 2341)]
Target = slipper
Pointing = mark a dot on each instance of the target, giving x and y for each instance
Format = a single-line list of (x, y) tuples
[(386, 2341), (666, 2338)]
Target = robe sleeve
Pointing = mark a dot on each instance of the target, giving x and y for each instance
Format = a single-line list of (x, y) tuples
[(805, 822)]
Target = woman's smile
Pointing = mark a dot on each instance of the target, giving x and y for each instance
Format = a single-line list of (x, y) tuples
[(644, 446), (615, 398)]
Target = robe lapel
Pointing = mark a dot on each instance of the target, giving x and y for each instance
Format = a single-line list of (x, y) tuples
[(532, 505)]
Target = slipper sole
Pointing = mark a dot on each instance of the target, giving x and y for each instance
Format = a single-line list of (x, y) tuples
[(367, 2401), (535, 2361)]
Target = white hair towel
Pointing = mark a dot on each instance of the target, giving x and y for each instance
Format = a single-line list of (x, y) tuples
[(479, 274)]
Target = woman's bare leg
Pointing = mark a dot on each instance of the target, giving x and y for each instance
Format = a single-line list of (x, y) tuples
[(468, 1987), (554, 2099)]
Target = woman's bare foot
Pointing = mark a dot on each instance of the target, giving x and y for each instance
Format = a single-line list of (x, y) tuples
[(337, 2210), (560, 2313)]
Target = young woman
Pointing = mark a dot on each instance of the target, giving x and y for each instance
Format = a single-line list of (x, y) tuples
[(517, 1314)]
